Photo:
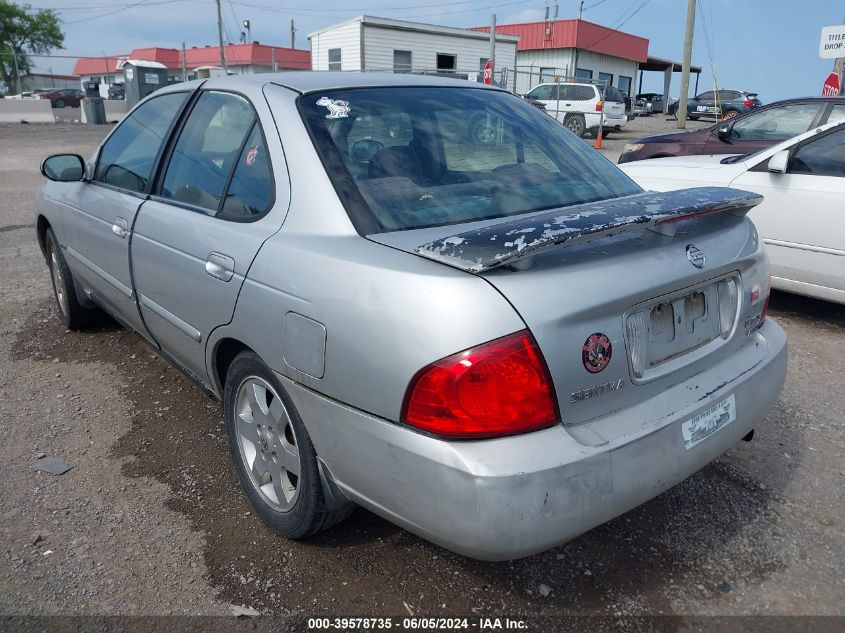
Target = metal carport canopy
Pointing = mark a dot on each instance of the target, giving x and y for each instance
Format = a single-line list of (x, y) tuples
[(667, 66)]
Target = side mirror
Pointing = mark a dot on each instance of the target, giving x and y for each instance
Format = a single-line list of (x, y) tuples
[(779, 162), (724, 131), (63, 167)]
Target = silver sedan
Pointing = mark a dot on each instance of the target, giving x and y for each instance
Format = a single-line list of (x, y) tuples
[(422, 296)]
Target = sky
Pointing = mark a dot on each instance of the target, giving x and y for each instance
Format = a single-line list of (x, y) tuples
[(766, 46)]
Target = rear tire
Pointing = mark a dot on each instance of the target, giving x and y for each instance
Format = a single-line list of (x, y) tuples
[(71, 312), (576, 124), (272, 452), (59, 103)]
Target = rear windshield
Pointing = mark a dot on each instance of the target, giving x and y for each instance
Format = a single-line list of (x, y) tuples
[(408, 158), (613, 94)]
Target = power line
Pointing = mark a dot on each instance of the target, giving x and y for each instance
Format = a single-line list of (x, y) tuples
[(595, 4), (124, 8), (620, 25)]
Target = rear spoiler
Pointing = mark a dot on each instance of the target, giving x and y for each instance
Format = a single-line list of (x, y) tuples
[(505, 243)]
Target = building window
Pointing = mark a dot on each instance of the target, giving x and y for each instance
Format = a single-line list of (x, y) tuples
[(547, 74), (625, 84), (402, 61), (583, 73), (446, 61), (334, 59), (607, 78)]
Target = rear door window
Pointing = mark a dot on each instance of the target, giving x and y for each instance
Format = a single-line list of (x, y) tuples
[(128, 156), (250, 192), (208, 148)]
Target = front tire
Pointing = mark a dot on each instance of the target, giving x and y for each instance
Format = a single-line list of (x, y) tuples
[(71, 312), (59, 103), (272, 452)]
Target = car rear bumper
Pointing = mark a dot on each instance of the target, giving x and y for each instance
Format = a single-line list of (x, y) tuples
[(511, 497)]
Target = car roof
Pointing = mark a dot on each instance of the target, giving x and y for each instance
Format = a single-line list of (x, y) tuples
[(304, 81)]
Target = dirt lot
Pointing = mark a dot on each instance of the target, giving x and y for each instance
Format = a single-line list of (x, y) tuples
[(151, 520)]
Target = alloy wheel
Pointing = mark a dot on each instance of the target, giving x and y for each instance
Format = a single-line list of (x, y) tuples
[(267, 443)]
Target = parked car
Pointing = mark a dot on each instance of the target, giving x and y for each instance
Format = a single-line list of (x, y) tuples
[(722, 104), (761, 128), (117, 91), (652, 102), (802, 181), (579, 106), (66, 97), (433, 323)]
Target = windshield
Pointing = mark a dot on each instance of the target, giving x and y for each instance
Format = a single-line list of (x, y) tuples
[(407, 158)]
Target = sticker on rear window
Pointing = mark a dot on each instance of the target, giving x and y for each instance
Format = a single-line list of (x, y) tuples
[(337, 109)]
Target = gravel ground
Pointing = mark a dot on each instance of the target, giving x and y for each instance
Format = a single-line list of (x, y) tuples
[(151, 520)]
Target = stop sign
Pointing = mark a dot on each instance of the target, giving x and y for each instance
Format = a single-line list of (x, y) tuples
[(488, 72), (831, 85)]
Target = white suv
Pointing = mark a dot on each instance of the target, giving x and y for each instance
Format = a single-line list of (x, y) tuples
[(579, 106)]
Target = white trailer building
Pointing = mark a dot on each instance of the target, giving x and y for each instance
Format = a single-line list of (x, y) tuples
[(371, 43)]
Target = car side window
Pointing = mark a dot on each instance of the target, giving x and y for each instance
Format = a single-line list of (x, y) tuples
[(728, 95), (250, 192), (837, 114), (128, 156), (824, 156), (208, 148), (541, 92), (776, 124), (706, 96)]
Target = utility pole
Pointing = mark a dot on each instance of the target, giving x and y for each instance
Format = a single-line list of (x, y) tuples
[(17, 70), (838, 67), (220, 38), (184, 63), (580, 13), (292, 34), (248, 27), (682, 105), (492, 45)]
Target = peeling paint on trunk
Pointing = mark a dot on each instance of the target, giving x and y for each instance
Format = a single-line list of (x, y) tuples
[(494, 245)]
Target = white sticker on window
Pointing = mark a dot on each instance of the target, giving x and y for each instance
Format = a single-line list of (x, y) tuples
[(337, 109)]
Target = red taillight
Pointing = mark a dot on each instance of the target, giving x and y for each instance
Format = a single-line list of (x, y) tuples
[(499, 388), (599, 106), (748, 104)]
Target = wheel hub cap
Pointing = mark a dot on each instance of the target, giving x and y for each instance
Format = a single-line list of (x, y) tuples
[(267, 443)]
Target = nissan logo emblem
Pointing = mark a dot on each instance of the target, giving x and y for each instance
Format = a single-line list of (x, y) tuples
[(695, 255)]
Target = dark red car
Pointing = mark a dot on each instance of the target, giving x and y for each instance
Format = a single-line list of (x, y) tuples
[(763, 127), (64, 97)]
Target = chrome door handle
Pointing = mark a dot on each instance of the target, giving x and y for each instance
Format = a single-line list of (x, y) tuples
[(220, 266), (120, 227)]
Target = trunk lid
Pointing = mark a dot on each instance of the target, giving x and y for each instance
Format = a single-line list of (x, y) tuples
[(594, 270)]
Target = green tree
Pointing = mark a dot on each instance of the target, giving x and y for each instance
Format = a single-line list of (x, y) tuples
[(25, 31)]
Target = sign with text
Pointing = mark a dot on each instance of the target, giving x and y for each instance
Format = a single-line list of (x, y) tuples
[(831, 85), (832, 44)]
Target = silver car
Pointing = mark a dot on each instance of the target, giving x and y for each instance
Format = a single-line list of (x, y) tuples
[(422, 296)]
